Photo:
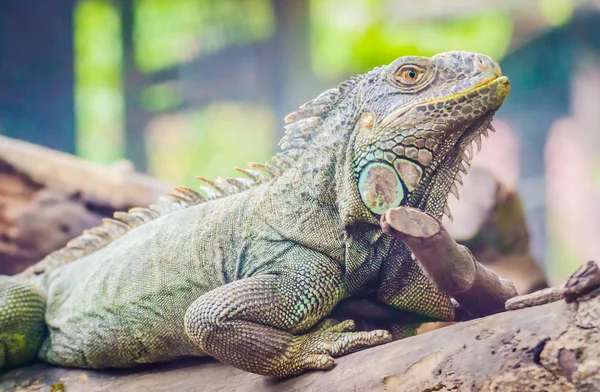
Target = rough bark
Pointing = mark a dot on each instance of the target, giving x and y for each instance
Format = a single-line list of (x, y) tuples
[(48, 197), (553, 347)]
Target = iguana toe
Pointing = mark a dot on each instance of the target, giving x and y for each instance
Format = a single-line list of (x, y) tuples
[(318, 362), (317, 349)]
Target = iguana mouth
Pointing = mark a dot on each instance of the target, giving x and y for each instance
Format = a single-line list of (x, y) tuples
[(454, 156)]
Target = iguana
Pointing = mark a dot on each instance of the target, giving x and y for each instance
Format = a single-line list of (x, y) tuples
[(246, 270)]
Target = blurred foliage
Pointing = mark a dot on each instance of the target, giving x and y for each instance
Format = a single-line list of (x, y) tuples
[(99, 102), (166, 33), (160, 97), (170, 32), (556, 12), (213, 141), (352, 36)]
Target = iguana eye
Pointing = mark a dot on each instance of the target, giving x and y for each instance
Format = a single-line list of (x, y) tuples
[(409, 75)]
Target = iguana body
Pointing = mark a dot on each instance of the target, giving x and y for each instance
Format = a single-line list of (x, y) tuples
[(245, 275)]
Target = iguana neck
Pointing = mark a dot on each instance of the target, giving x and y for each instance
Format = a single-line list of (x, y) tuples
[(322, 167)]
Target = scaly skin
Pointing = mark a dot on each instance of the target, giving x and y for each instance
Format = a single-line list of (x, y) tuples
[(249, 275), (21, 319)]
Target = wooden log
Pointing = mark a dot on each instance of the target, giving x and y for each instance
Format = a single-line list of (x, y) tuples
[(48, 197), (552, 347)]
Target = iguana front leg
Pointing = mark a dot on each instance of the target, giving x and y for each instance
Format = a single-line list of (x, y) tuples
[(256, 324)]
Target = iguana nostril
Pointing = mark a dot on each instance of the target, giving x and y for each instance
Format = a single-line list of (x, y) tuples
[(481, 63), (486, 64)]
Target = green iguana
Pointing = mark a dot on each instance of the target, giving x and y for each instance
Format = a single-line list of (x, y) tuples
[(245, 271)]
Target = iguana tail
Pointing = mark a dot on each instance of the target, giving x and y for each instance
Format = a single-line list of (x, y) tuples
[(22, 326)]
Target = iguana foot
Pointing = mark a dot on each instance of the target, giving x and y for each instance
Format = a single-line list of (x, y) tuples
[(22, 325), (317, 350)]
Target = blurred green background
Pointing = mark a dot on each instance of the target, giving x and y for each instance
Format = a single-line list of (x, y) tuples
[(189, 87)]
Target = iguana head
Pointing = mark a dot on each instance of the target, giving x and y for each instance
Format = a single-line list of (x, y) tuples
[(418, 118)]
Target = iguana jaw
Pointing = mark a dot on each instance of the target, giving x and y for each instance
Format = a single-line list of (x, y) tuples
[(439, 179)]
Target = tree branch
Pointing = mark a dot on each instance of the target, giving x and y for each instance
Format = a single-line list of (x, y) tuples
[(449, 265)]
